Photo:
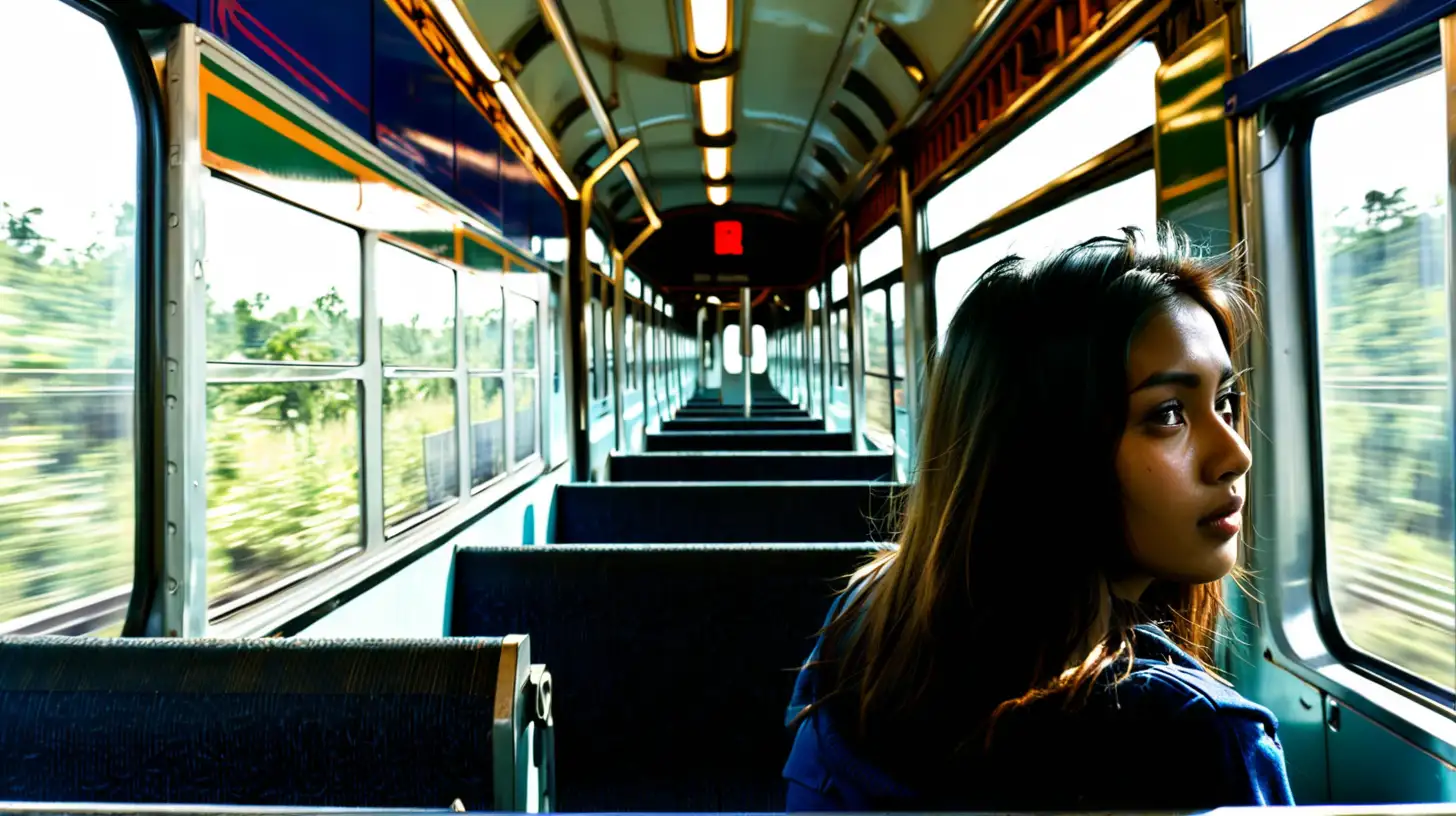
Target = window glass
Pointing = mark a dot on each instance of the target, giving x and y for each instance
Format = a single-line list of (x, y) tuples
[(841, 360), (292, 296), (838, 284), (634, 284), (523, 333), (591, 348), (897, 327), (525, 385), (282, 482), (629, 334), (1378, 171), (483, 308), (1276, 25), (759, 361), (420, 451), (1119, 103), (67, 321), (487, 429), (596, 251), (876, 339), (416, 309), (732, 349), (1128, 203), (881, 257), (878, 411)]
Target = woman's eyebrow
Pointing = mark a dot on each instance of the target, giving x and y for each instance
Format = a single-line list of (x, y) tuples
[(1183, 379)]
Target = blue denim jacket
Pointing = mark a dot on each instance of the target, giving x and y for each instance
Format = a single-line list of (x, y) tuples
[(1167, 735)]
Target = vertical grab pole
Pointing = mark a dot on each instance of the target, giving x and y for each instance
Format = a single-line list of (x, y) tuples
[(745, 322), (578, 285), (915, 312)]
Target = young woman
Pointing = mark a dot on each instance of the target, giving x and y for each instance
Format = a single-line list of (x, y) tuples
[(1040, 637)]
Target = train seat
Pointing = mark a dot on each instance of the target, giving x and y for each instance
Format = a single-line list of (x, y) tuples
[(749, 441), (720, 512), (710, 466), (273, 722), (678, 660), (741, 423)]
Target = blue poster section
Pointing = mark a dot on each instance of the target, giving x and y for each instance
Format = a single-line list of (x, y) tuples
[(359, 63), (314, 47)]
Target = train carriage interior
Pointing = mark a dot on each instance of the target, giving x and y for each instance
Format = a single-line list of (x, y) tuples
[(431, 405)]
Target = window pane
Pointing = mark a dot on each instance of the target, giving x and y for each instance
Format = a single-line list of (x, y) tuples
[(877, 412), (1128, 203), (487, 429), (759, 362), (525, 386), (1117, 104), (482, 305), (591, 349), (897, 327), (881, 257), (67, 318), (523, 333), (876, 343), (838, 285), (282, 481), (1275, 25), (1378, 183), (420, 453), (416, 309), (283, 284), (732, 349)]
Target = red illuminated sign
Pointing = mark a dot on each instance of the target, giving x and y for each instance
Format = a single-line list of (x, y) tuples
[(727, 238)]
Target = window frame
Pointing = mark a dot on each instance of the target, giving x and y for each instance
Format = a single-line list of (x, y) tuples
[(149, 352)]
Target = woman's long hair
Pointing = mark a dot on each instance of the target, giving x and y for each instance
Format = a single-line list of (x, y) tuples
[(998, 593)]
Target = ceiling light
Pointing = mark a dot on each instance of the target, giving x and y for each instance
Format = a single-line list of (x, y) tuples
[(715, 99), (715, 161), (713, 299), (465, 34), (708, 20), (523, 122), (718, 194)]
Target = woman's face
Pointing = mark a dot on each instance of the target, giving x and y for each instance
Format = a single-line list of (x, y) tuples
[(1181, 461)]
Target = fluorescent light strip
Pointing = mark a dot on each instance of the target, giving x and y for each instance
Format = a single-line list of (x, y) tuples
[(715, 162), (715, 97), (718, 194), (512, 105), (467, 38), (710, 25)]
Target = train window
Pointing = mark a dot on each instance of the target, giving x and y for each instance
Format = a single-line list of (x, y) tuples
[(282, 482), (523, 333), (758, 363), (596, 251), (416, 302), (522, 313), (838, 285), (1275, 25), (732, 350), (487, 428), (482, 307), (1128, 203), (293, 298), (67, 325), (634, 284), (629, 335), (881, 257), (609, 331), (841, 361), (1378, 176), (878, 410), (1117, 104), (591, 349), (416, 299)]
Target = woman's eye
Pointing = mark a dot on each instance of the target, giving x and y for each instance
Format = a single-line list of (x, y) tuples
[(1167, 416), (1228, 406)]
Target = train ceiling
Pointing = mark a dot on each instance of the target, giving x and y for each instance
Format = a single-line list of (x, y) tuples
[(816, 87)]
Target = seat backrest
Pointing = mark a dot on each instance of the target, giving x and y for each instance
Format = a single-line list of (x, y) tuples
[(263, 722), (742, 423), (721, 512), (708, 466), (750, 441), (677, 662)]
